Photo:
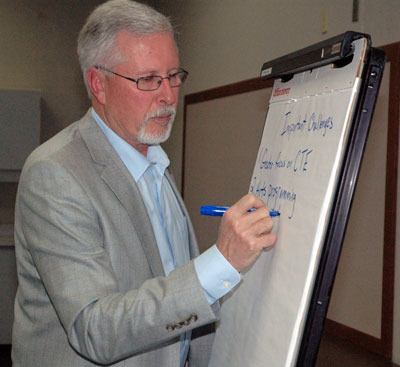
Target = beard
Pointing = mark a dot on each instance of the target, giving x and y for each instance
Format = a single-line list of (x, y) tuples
[(151, 138)]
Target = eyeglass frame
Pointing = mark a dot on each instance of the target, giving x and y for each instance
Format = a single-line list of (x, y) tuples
[(136, 81)]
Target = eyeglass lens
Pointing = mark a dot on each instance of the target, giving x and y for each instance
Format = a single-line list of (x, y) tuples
[(154, 81)]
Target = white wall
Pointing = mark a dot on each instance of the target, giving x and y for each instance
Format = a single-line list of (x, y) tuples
[(225, 41)]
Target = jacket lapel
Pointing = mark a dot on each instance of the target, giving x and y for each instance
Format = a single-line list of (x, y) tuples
[(118, 179)]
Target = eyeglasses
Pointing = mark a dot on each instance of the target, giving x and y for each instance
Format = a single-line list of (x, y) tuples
[(152, 82)]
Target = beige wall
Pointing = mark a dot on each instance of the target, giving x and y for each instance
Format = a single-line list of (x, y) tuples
[(225, 41), (222, 41), (357, 293), (38, 52), (37, 43)]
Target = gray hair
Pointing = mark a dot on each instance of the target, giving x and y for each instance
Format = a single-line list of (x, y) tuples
[(97, 36)]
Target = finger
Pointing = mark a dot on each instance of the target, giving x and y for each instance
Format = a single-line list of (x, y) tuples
[(258, 203), (260, 213), (243, 219), (268, 240), (253, 217), (262, 226), (247, 202), (262, 242)]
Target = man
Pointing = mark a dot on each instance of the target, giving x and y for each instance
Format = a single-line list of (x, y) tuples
[(108, 266)]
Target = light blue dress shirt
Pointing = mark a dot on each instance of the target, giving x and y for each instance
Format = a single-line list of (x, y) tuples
[(216, 275)]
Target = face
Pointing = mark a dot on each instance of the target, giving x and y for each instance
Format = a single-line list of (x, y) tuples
[(140, 117)]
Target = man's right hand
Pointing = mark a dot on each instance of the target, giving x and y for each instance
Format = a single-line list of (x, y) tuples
[(243, 234)]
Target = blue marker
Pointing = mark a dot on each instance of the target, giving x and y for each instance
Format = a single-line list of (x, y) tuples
[(218, 211)]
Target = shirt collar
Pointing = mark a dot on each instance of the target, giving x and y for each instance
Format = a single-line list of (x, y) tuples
[(136, 162)]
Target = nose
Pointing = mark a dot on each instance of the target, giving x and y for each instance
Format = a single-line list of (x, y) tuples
[(167, 94)]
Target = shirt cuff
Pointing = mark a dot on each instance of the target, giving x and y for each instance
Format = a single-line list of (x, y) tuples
[(216, 275)]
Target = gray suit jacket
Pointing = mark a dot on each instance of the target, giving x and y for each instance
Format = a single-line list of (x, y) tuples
[(92, 288)]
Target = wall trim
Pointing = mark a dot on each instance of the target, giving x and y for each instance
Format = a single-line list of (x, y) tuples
[(354, 336)]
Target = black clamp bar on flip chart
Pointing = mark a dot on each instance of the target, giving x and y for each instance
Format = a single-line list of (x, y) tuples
[(323, 53)]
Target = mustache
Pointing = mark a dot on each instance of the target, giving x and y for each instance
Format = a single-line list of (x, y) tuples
[(163, 111)]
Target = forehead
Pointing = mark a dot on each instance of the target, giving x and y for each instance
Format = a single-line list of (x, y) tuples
[(154, 52)]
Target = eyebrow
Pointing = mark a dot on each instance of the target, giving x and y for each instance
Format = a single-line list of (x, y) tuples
[(155, 73)]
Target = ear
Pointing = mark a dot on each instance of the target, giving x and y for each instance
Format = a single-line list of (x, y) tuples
[(96, 83)]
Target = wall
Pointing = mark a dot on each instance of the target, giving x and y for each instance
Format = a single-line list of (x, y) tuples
[(225, 41), (37, 43), (38, 46), (38, 51), (221, 42)]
